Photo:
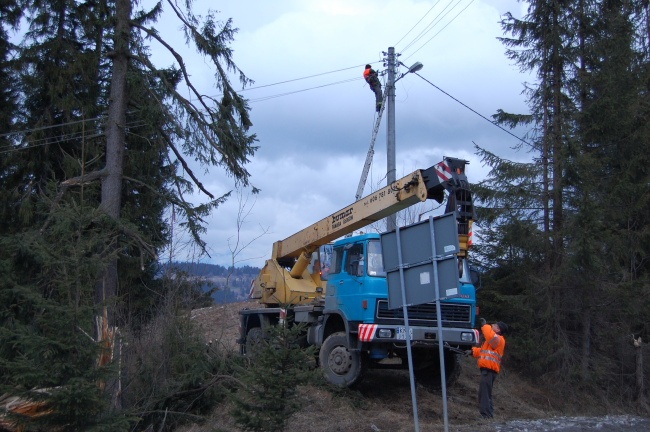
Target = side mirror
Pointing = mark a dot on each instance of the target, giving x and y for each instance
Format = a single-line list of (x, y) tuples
[(475, 277)]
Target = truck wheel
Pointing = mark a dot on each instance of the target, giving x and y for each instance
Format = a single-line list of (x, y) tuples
[(341, 366), (426, 368), (254, 339)]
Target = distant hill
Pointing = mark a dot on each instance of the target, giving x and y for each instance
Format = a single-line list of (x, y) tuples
[(229, 284)]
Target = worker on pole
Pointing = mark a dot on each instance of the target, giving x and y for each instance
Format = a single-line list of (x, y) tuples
[(371, 77)]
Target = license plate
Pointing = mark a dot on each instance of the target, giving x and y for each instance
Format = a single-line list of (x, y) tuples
[(401, 333)]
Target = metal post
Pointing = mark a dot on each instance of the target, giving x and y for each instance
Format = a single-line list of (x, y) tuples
[(441, 351), (407, 329), (391, 221)]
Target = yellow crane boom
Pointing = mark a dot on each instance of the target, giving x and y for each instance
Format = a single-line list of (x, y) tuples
[(403, 193)]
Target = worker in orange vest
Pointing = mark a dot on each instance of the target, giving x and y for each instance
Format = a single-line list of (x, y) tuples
[(375, 86), (489, 356)]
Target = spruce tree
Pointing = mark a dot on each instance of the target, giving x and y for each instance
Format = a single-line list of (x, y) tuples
[(89, 183), (268, 392), (10, 13), (610, 198), (564, 235)]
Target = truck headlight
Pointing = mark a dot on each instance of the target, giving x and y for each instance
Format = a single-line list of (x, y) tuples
[(384, 333), (467, 337)]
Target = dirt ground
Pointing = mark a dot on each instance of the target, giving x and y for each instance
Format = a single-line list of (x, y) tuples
[(383, 401)]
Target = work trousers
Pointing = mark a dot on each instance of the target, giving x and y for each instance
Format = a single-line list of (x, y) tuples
[(485, 392), (375, 86)]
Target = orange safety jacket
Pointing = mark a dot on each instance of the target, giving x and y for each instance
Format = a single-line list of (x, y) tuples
[(366, 74), (490, 353)]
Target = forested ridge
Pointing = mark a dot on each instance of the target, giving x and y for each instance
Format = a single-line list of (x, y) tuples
[(216, 283), (95, 141)]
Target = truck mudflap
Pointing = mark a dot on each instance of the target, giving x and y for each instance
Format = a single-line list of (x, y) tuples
[(379, 333)]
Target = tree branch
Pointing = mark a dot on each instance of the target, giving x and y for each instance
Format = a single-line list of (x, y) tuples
[(86, 178), (185, 166)]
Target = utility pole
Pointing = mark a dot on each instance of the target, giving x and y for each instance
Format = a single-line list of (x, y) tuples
[(391, 221)]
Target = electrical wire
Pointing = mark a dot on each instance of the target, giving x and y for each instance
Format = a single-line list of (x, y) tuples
[(452, 20), (32, 130), (472, 110), (51, 126), (68, 123), (416, 24), (41, 142), (303, 90), (73, 135), (432, 24), (59, 138), (305, 77)]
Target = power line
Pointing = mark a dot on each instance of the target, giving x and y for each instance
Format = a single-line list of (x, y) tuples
[(416, 24), (264, 98), (103, 116), (452, 20), (474, 111), (432, 24), (51, 126), (76, 135), (58, 139), (306, 77)]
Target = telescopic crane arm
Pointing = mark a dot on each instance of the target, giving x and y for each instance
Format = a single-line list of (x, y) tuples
[(417, 186)]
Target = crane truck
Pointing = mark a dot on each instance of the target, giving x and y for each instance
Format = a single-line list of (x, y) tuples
[(339, 290)]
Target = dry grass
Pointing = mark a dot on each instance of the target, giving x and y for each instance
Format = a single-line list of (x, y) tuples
[(382, 401)]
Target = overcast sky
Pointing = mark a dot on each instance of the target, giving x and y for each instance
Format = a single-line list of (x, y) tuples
[(314, 134)]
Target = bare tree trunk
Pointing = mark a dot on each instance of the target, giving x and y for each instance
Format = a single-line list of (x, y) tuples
[(647, 26), (111, 200), (640, 385), (557, 147), (111, 197), (546, 173), (586, 344)]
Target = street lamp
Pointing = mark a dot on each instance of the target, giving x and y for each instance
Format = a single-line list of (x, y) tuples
[(417, 66)]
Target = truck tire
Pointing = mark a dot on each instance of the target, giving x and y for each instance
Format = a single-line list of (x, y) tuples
[(426, 368), (254, 339), (341, 366)]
